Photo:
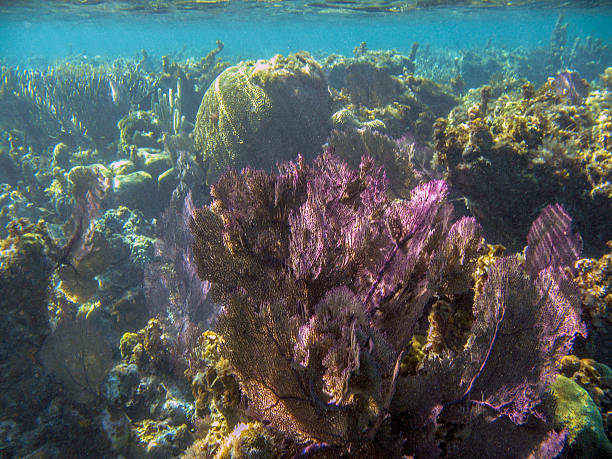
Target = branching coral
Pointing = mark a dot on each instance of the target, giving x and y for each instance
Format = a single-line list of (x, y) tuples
[(70, 98)]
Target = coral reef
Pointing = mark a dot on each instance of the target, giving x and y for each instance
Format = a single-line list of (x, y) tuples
[(37, 405), (471, 68), (25, 276), (510, 155), (354, 315), (80, 141), (152, 408), (108, 269), (83, 101), (352, 144), (381, 92), (595, 280), (258, 113), (117, 115)]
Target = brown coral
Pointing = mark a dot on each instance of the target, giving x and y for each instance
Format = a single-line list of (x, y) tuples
[(594, 277), (352, 144), (148, 348), (529, 150)]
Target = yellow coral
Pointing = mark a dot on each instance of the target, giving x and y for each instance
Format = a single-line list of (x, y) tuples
[(414, 356), (594, 279), (257, 111), (247, 441), (148, 348), (483, 265)]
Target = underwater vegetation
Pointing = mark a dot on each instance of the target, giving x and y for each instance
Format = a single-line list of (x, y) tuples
[(324, 282), (202, 281), (119, 120)]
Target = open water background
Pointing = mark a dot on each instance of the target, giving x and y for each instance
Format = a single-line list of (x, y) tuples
[(35, 35)]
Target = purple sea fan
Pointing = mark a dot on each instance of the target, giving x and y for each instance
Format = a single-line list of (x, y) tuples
[(452, 266), (172, 287), (338, 342), (550, 241), (521, 330), (414, 232), (314, 266), (333, 226), (523, 325), (533, 318), (420, 156)]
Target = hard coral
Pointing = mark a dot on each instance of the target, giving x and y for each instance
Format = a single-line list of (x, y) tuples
[(215, 383), (148, 349), (28, 261), (594, 277), (26, 268), (257, 113), (514, 154)]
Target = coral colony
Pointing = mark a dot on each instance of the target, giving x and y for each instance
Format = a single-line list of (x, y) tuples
[(325, 282)]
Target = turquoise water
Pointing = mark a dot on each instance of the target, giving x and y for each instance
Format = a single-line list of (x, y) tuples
[(259, 33)]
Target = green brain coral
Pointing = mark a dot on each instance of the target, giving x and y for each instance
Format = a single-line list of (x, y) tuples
[(576, 412), (259, 112)]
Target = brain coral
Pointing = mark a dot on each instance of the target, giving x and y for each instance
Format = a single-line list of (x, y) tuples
[(259, 112)]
